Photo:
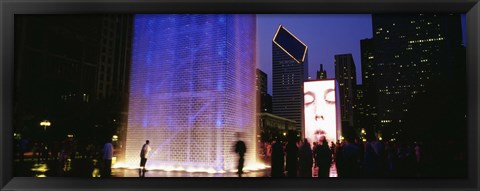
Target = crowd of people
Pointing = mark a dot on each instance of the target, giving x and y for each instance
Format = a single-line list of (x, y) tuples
[(291, 158), (350, 157)]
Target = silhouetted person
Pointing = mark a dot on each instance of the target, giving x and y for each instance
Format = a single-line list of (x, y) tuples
[(323, 158), (306, 159), (369, 160), (277, 159), (107, 158), (143, 155), (340, 159), (292, 156), (241, 149), (351, 159)]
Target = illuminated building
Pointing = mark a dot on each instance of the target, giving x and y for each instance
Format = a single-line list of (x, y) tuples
[(272, 127), (410, 52), (289, 70), (368, 118), (345, 74), (192, 89)]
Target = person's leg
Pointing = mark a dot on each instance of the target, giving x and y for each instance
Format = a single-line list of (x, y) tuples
[(108, 168), (240, 166)]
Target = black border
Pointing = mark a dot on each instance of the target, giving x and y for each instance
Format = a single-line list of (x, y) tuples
[(8, 8)]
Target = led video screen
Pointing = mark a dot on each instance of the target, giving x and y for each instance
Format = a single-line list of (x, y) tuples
[(321, 116)]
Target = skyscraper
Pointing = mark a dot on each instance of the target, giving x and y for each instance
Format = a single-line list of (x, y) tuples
[(345, 74), (263, 98), (290, 70), (192, 90), (321, 74), (410, 53), (368, 88), (115, 55)]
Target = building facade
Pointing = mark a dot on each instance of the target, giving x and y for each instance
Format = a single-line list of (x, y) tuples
[(290, 70), (345, 74), (59, 64), (273, 127), (410, 53), (369, 118), (264, 99)]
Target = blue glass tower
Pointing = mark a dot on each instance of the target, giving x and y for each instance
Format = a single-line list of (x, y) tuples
[(192, 89)]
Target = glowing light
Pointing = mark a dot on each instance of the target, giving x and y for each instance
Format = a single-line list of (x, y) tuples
[(320, 100), (40, 168), (45, 123), (249, 168), (192, 89)]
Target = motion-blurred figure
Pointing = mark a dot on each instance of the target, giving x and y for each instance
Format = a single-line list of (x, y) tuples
[(241, 149)]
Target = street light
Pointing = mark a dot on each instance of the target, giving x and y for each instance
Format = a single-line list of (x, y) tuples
[(45, 124)]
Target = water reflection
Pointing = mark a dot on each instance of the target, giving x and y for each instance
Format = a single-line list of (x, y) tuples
[(92, 168)]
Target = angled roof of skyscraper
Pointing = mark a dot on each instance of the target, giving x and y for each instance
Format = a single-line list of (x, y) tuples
[(289, 43)]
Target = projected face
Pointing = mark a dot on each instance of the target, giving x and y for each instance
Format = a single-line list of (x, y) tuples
[(320, 113)]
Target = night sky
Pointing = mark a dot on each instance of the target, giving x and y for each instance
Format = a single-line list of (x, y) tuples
[(325, 35)]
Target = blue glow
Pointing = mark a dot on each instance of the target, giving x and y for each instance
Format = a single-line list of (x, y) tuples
[(192, 88)]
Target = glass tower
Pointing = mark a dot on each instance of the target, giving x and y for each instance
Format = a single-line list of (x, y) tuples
[(192, 90)]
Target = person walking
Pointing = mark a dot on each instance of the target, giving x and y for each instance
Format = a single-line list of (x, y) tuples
[(107, 158)]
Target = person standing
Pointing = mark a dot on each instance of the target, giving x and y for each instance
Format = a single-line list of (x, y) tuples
[(241, 149), (292, 156), (143, 154), (277, 159), (107, 158), (306, 159), (323, 157), (351, 156)]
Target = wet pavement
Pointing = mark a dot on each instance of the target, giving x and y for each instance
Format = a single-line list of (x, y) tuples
[(89, 167)]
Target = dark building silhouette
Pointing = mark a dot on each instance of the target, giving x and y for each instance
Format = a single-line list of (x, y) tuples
[(263, 98), (321, 74), (345, 74), (290, 70), (369, 118), (359, 111), (114, 71), (59, 62), (410, 53)]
